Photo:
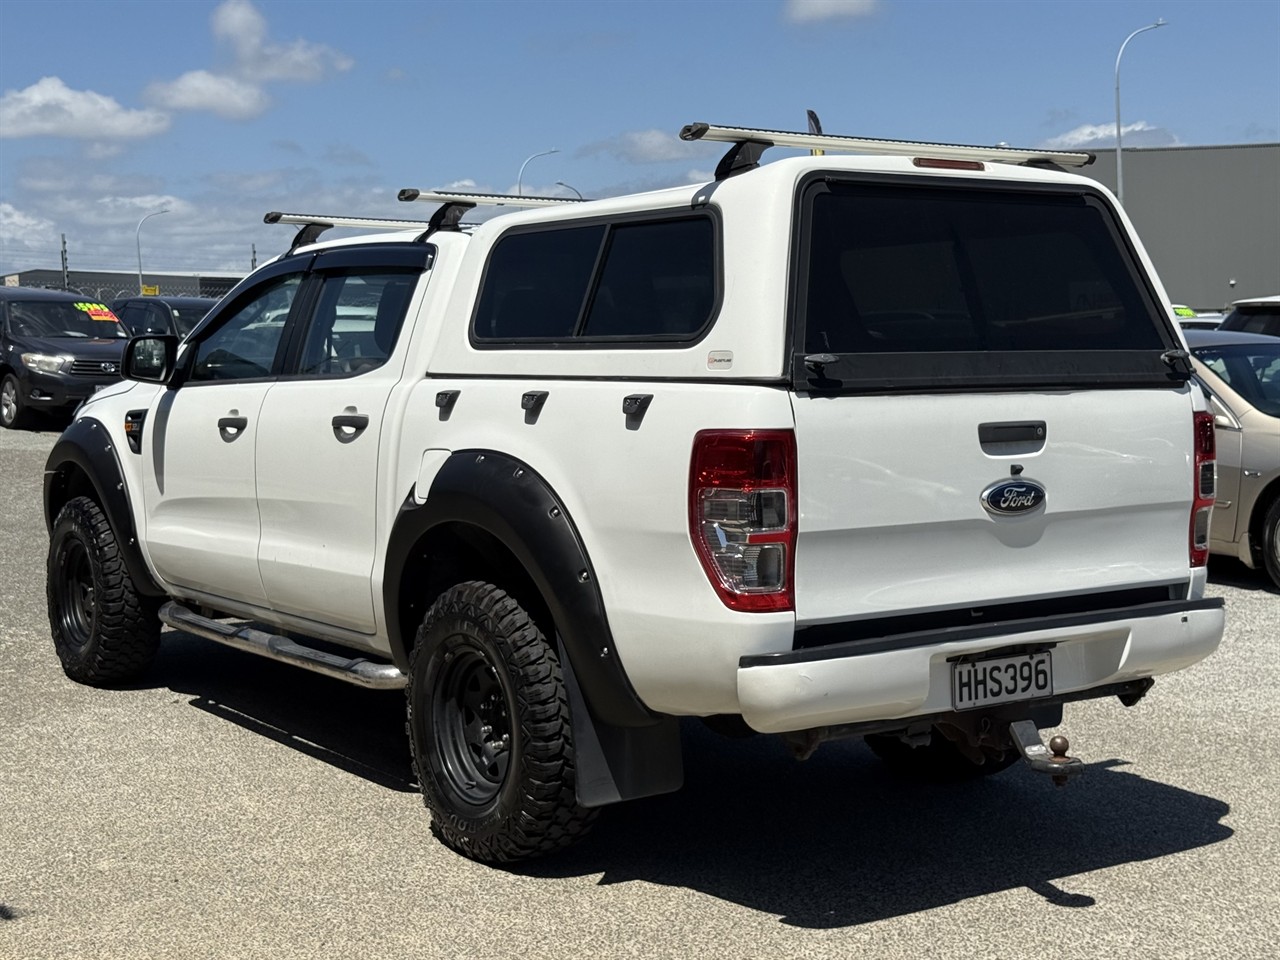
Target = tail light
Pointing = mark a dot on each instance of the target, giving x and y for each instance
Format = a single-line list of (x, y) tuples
[(1204, 488), (742, 515)]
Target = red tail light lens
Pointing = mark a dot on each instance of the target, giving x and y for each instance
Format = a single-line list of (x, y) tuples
[(1204, 488), (742, 515)]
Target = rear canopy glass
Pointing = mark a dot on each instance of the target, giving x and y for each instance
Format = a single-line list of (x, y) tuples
[(971, 285)]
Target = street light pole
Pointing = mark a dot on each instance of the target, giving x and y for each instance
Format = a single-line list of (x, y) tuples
[(520, 175), (137, 238), (1119, 158), (561, 183)]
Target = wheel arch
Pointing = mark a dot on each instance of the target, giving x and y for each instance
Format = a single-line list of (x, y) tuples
[(488, 515), (84, 463)]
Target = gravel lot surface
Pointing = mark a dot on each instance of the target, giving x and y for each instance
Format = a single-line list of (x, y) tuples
[(233, 807)]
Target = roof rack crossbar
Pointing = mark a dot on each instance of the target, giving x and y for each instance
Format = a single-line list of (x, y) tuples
[(454, 205), (315, 224), (749, 143)]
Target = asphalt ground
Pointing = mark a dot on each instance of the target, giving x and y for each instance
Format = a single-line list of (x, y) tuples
[(231, 807)]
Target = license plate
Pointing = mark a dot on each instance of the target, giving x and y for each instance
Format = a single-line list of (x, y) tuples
[(980, 683)]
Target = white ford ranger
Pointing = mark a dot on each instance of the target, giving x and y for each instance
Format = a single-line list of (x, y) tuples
[(900, 445)]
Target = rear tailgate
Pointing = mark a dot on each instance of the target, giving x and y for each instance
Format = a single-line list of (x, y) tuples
[(991, 403), (891, 513)]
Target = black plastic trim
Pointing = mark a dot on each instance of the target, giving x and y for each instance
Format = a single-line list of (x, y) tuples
[(87, 445), (508, 500), (868, 645)]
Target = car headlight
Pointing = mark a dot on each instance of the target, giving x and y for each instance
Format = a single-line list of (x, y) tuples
[(46, 362)]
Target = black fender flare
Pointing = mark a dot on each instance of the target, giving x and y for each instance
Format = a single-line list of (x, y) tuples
[(510, 501), (88, 446)]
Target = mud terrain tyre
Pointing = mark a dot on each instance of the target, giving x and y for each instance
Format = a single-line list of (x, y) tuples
[(104, 631), (489, 729)]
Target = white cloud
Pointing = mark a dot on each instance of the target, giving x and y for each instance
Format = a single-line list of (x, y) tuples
[(239, 93), (1093, 136), (49, 108), (811, 11), (21, 228), (228, 97), (645, 146)]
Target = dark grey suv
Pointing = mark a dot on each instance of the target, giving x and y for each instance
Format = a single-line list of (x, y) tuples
[(55, 349), (172, 315)]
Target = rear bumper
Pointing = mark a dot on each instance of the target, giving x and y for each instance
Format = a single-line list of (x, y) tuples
[(910, 675)]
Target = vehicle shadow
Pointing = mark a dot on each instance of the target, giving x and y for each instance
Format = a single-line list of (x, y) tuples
[(1230, 572), (356, 730), (835, 841)]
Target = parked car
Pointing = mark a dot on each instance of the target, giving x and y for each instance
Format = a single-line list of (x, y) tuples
[(173, 315), (1240, 372), (56, 349), (1259, 315)]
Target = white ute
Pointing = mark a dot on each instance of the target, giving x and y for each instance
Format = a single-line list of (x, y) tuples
[(899, 444)]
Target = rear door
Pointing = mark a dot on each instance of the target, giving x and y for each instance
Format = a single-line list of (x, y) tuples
[(986, 409), (320, 437)]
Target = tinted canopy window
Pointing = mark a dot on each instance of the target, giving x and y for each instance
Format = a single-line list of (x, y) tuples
[(920, 269), (632, 281)]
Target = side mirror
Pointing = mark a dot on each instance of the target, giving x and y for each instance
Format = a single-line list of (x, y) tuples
[(150, 358)]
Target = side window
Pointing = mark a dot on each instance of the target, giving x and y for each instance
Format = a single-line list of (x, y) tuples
[(658, 279), (536, 283), (244, 345), (356, 323), (134, 317), (630, 280)]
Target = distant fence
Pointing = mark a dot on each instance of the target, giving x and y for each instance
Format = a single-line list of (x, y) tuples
[(106, 288)]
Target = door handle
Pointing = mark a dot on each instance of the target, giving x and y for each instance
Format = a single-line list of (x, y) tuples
[(348, 426), (232, 427)]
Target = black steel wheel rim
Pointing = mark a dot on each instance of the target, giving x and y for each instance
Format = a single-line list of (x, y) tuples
[(75, 592), (471, 725)]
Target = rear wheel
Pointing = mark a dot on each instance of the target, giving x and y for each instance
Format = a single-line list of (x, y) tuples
[(1271, 541), (939, 760), (12, 412), (490, 730), (104, 631)]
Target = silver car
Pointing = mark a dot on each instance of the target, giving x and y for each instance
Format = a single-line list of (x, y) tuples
[(1240, 373)]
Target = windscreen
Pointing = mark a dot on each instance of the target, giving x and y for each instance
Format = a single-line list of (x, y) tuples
[(1250, 369), (59, 319)]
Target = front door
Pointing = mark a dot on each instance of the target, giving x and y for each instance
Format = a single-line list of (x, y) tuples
[(200, 449)]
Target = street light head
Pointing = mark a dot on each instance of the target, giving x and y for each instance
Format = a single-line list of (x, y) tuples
[(1161, 22)]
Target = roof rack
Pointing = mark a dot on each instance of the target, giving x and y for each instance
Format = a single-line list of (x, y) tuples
[(454, 205), (315, 224), (749, 144)]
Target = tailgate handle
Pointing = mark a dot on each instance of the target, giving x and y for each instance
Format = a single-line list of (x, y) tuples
[(1013, 432)]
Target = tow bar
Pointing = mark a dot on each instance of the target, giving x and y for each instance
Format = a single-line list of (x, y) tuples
[(1039, 757)]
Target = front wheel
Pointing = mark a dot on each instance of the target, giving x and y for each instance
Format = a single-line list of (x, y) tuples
[(490, 730), (104, 631), (939, 760), (12, 412)]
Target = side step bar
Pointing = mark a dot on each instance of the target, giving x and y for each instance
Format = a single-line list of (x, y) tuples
[(361, 672)]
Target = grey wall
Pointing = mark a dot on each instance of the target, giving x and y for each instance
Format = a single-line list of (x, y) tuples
[(1206, 215)]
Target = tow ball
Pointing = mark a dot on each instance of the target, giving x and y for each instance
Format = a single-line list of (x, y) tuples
[(1052, 759)]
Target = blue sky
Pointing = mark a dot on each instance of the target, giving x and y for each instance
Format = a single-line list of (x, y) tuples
[(221, 111)]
